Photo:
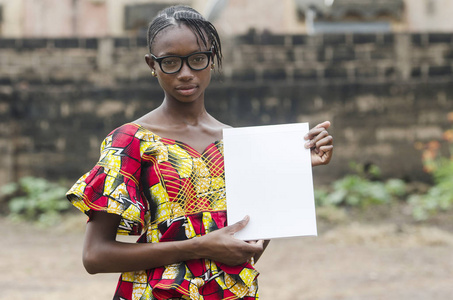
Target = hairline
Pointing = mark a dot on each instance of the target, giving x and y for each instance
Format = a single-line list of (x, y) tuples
[(179, 24)]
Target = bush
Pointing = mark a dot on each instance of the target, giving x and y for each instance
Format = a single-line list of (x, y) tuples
[(361, 189), (35, 199), (440, 165), (439, 197), (354, 190)]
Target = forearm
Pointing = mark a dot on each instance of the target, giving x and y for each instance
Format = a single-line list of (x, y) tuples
[(104, 254), (114, 256)]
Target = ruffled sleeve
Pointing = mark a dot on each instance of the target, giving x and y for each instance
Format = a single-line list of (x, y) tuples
[(113, 184)]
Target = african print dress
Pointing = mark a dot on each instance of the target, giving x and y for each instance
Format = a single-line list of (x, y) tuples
[(165, 191)]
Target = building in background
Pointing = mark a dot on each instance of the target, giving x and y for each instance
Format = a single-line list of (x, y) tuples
[(100, 18)]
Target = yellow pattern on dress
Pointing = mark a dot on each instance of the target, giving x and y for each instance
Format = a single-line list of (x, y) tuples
[(235, 287), (177, 210), (253, 289), (119, 191), (112, 158), (145, 135), (247, 276), (201, 176), (194, 286), (110, 181), (190, 231), (155, 149), (132, 212), (201, 185), (114, 206), (184, 165), (148, 294), (218, 202), (160, 197), (170, 271), (106, 143), (140, 284), (128, 276), (200, 167), (208, 222), (153, 234)]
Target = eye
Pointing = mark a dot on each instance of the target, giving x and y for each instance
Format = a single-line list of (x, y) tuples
[(198, 58), (170, 61)]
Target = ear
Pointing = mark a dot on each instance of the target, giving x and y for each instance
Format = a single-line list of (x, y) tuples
[(150, 61)]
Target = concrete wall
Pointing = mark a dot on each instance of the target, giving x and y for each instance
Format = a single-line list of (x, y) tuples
[(99, 18), (60, 97)]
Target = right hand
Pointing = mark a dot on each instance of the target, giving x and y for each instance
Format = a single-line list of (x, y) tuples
[(223, 247)]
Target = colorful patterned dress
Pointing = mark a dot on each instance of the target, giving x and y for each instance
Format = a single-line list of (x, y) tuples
[(165, 191)]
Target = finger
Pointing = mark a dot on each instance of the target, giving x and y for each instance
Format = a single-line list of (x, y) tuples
[(324, 141), (325, 125), (239, 225), (255, 246), (326, 149), (315, 139), (317, 129), (315, 133)]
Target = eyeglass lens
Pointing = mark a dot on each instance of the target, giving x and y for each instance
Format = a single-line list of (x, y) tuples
[(196, 61)]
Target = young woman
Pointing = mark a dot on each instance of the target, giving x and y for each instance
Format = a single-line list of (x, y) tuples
[(162, 176)]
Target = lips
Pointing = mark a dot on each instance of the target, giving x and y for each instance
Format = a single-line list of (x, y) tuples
[(186, 89)]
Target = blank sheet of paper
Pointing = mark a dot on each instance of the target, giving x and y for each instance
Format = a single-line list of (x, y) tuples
[(268, 176)]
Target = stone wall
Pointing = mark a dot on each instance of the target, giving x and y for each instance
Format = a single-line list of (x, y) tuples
[(382, 92)]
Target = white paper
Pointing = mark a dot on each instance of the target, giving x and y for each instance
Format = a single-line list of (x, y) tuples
[(268, 176)]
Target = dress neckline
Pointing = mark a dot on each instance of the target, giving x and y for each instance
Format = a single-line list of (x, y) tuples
[(185, 145)]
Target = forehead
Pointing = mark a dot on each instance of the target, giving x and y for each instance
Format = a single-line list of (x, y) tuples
[(177, 39)]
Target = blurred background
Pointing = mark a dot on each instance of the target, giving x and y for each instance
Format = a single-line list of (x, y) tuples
[(380, 70)]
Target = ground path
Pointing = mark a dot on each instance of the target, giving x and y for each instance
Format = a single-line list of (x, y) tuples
[(351, 261)]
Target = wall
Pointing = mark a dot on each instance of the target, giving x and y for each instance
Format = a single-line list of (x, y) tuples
[(60, 97), (99, 18)]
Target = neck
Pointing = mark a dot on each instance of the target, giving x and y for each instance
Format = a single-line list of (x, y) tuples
[(184, 113)]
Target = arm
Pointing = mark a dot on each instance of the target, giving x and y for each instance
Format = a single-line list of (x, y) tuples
[(321, 144), (103, 254)]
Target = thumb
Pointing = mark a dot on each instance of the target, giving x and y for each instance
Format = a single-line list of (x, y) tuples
[(239, 225)]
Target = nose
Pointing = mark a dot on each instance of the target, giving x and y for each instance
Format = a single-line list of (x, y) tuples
[(186, 71)]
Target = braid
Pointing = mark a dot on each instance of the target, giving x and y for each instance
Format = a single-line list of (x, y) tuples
[(181, 14)]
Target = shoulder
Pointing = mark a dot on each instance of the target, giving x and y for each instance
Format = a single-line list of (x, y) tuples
[(130, 135), (128, 128)]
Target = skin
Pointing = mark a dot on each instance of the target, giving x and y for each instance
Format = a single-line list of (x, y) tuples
[(183, 117)]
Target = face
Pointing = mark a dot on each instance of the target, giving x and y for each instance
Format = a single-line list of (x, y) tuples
[(186, 85)]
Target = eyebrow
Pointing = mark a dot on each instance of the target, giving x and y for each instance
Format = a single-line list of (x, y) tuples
[(174, 54), (200, 49)]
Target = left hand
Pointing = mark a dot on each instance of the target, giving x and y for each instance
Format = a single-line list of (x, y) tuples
[(258, 254), (321, 144)]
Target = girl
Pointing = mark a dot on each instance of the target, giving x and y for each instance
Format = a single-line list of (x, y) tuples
[(162, 176)]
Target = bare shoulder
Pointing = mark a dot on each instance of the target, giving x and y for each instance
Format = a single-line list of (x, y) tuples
[(216, 127), (219, 125), (153, 122)]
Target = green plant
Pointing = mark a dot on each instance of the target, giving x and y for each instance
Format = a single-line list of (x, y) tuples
[(356, 190), (440, 196), (35, 199)]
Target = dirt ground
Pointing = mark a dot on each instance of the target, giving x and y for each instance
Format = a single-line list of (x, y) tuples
[(350, 260)]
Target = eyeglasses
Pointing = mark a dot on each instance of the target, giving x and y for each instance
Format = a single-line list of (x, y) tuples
[(172, 64)]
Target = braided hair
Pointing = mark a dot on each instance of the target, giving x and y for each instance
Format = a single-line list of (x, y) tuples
[(182, 14)]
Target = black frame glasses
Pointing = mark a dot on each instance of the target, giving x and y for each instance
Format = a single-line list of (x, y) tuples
[(186, 58)]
